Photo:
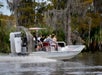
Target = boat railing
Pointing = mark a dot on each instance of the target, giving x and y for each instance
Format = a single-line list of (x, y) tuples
[(61, 43)]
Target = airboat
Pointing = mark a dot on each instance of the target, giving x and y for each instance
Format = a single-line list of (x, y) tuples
[(63, 51)]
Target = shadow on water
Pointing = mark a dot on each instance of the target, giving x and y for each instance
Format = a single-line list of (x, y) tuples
[(83, 64)]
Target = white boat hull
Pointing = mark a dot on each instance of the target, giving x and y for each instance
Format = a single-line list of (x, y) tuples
[(64, 53)]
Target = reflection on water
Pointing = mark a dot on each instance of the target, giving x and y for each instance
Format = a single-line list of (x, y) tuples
[(83, 64)]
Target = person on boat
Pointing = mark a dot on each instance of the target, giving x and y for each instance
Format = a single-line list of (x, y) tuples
[(52, 40), (46, 43), (53, 43), (36, 42), (48, 38), (54, 37), (42, 38)]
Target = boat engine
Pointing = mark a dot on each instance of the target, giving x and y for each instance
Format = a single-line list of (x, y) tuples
[(18, 43)]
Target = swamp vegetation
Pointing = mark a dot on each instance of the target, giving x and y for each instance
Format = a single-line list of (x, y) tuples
[(73, 21)]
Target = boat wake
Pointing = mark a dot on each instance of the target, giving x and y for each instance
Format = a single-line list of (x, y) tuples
[(25, 59)]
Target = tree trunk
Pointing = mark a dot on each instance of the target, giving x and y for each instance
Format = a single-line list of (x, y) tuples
[(68, 28)]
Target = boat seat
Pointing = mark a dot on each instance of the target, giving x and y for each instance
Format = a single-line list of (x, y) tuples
[(46, 44)]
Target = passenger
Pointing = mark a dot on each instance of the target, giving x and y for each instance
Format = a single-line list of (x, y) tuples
[(48, 39), (39, 44), (46, 43), (39, 47), (52, 40), (42, 38), (54, 37), (35, 41), (39, 37)]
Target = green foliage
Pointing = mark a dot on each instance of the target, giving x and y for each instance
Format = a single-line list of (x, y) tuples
[(5, 30), (32, 14), (89, 27), (46, 31), (60, 35), (59, 4), (4, 46), (4, 39)]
